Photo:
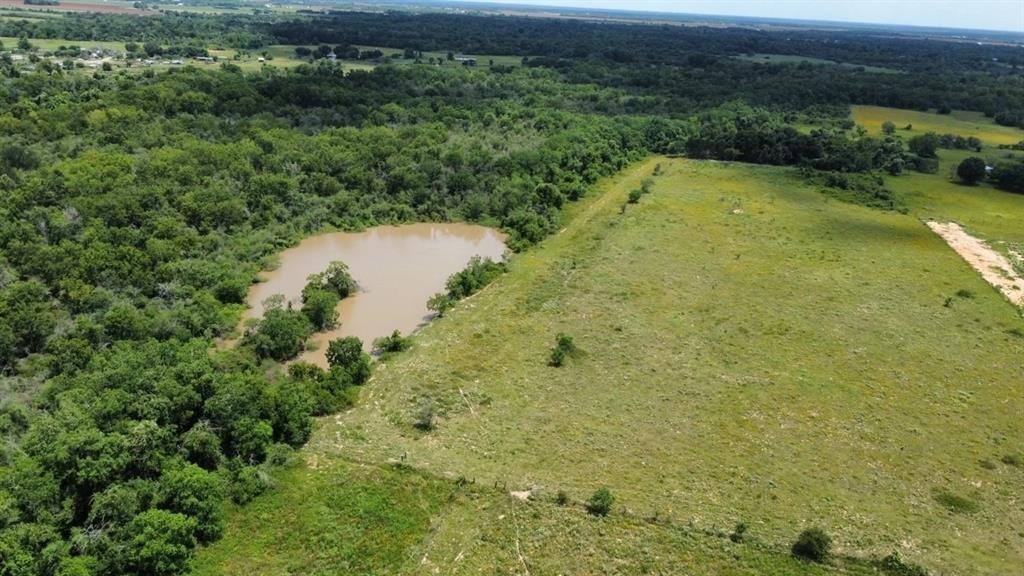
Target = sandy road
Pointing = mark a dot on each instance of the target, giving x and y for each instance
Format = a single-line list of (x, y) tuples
[(995, 268)]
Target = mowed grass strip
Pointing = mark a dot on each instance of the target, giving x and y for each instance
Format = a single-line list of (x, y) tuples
[(760, 354)]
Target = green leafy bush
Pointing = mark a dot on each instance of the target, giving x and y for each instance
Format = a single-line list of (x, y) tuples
[(812, 544), (564, 348), (600, 503), (393, 343)]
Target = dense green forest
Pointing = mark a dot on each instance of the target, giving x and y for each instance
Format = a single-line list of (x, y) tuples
[(136, 209)]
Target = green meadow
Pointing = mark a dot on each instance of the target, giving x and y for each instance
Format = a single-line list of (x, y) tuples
[(749, 351), (793, 59), (959, 122), (983, 210)]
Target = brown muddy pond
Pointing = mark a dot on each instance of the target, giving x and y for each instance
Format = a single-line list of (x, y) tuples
[(397, 268)]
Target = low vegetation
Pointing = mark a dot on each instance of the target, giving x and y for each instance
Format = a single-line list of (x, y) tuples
[(686, 262), (477, 274), (755, 349), (813, 544)]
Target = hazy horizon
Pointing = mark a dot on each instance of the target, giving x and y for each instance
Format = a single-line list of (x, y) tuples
[(994, 15)]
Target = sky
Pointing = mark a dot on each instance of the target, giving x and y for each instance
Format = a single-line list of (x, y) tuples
[(981, 14)]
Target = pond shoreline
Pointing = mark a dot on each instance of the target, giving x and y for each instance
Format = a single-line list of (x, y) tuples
[(397, 268)]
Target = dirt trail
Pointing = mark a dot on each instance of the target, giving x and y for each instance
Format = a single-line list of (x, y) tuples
[(995, 268)]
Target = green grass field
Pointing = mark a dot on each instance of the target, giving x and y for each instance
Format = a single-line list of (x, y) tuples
[(790, 59), (959, 122), (51, 44), (752, 352), (983, 210)]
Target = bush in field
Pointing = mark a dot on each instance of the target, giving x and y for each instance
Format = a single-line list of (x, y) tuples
[(888, 127), (971, 170), (600, 503), (634, 196), (1009, 176), (564, 347), (424, 419), (894, 565), (812, 544), (956, 503), (738, 533), (925, 145)]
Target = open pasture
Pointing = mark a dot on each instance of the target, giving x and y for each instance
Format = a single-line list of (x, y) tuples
[(959, 122), (751, 352)]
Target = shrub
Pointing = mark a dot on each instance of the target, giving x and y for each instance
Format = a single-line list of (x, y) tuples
[(557, 357), (812, 544), (319, 306), (634, 196), (971, 170), (925, 145), (248, 483), (393, 343), (738, 533), (600, 503), (1014, 460), (894, 565), (564, 347), (561, 498), (424, 418), (346, 355), (281, 334), (338, 279), (888, 127), (956, 503), (440, 303)]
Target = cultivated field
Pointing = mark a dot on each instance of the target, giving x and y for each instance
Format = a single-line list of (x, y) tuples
[(752, 352)]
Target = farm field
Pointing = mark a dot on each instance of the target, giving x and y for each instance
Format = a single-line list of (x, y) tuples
[(789, 363)]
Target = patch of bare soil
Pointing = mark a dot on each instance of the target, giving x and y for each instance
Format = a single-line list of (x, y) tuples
[(995, 268)]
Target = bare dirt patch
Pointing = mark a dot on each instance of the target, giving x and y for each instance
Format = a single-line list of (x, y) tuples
[(995, 268)]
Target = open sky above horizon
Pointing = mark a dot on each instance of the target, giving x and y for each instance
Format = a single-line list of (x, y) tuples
[(1005, 15)]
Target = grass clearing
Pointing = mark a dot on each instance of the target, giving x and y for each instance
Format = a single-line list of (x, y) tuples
[(984, 211), (958, 122), (341, 518), (793, 59), (51, 44), (754, 353)]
